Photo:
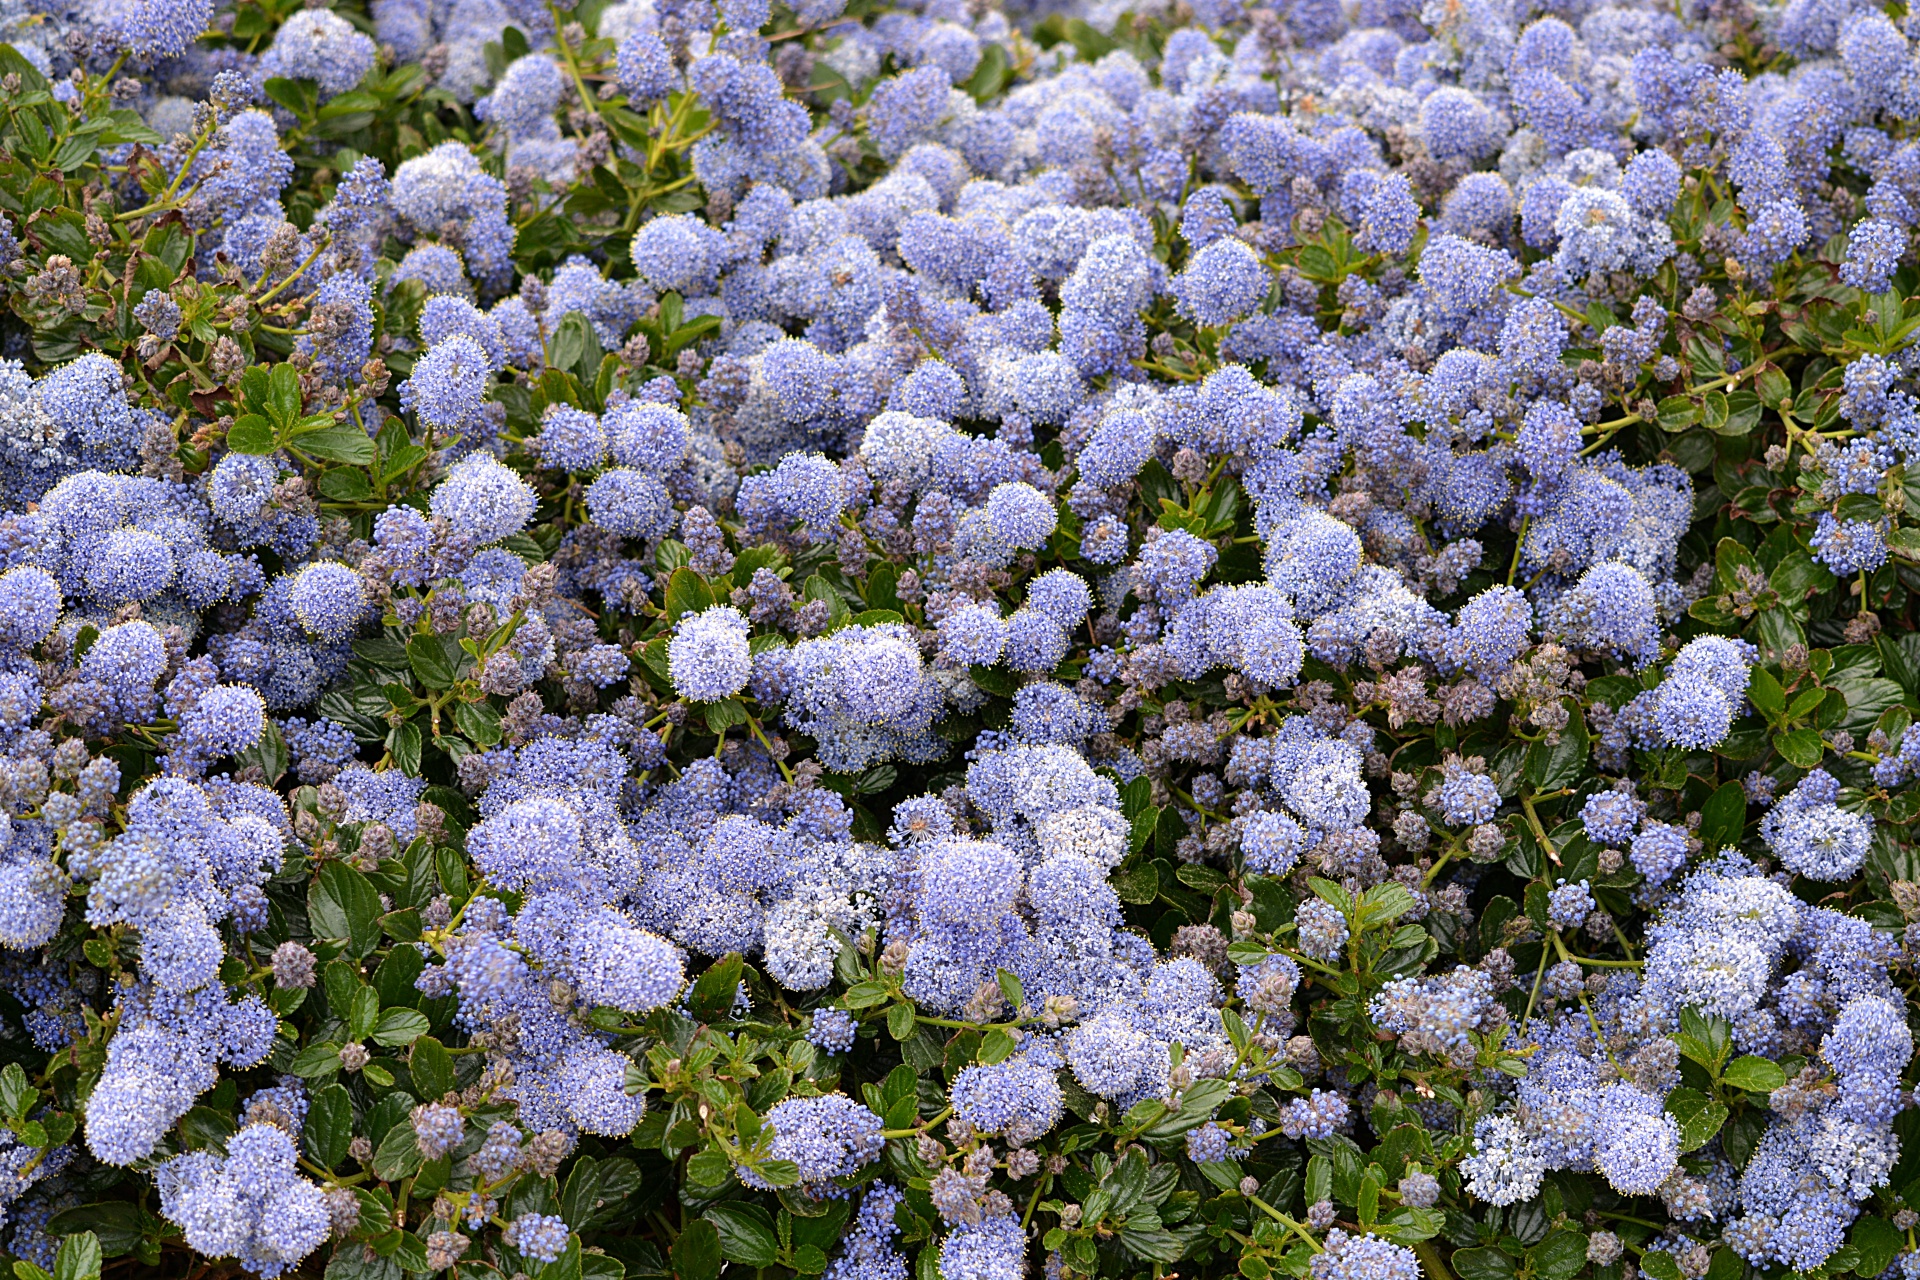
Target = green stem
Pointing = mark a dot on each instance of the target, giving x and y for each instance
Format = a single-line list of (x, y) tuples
[(920, 1128), (1599, 1036), (1034, 1199), (1539, 976), (1430, 1260), (200, 140), (587, 99), (1539, 832), (1520, 540), (760, 734), (1286, 1222), (313, 257)]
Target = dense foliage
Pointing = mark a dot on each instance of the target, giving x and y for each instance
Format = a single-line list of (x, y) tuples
[(697, 636)]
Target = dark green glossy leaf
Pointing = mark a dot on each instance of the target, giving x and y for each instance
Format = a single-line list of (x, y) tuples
[(344, 443), (329, 1126), (746, 1233), (1723, 816), (1482, 1264), (696, 1254), (428, 657), (1699, 1117)]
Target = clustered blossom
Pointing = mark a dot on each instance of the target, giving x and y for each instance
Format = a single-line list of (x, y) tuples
[(916, 637)]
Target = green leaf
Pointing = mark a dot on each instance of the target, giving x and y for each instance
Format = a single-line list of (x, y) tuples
[(1876, 1241), (990, 76), (382, 652), (1154, 1243), (1805, 703), (708, 1168), (1319, 1183), (1757, 1075), (403, 742), (398, 1155), (478, 721), (882, 587), (601, 1266), (1800, 747), (1740, 1135), (1561, 1255), (343, 904), (1386, 903), (405, 458), (900, 1021), (1245, 953), (568, 348), (329, 1126), (432, 1068), (316, 1061), (1139, 884), (1699, 1117), (1538, 904), (400, 1026), (746, 1233), (79, 1257), (269, 753), (256, 389), (1143, 823), (346, 443), (1774, 388), (687, 591), (1676, 414), (119, 1225), (298, 96), (696, 1255), (428, 658), (1738, 413), (363, 1012), (1723, 817), (1550, 768), (722, 716), (1410, 1226), (1010, 987), (582, 1192), (1657, 1263), (818, 588), (253, 434), (865, 995), (1482, 1264), (16, 1095), (713, 993), (1331, 894), (283, 394), (1705, 1040), (1798, 575), (755, 558), (1766, 694), (1493, 920)]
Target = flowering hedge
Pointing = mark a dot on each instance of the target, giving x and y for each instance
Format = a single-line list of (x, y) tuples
[(684, 637)]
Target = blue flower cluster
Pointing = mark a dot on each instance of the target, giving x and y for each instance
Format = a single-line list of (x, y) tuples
[(1783, 978), (1200, 638)]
